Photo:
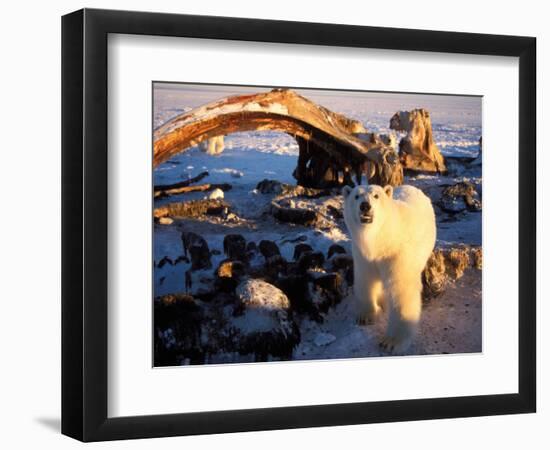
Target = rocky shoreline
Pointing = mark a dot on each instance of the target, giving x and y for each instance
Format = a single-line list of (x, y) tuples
[(219, 308), (255, 263)]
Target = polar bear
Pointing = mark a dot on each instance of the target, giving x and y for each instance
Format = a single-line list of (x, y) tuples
[(213, 146), (393, 234)]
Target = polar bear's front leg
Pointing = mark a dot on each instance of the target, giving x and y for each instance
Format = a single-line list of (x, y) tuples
[(404, 315), (369, 291)]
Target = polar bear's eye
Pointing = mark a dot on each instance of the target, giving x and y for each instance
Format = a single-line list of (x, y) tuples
[(357, 197), (375, 195)]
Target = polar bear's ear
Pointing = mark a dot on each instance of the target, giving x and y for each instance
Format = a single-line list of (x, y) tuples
[(389, 191), (346, 191)]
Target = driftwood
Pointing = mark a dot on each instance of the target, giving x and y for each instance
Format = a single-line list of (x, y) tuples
[(185, 186), (185, 189), (298, 216), (192, 209), (417, 150), (267, 186), (167, 187), (327, 140)]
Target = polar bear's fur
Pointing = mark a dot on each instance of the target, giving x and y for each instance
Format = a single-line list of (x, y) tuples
[(393, 233), (212, 146)]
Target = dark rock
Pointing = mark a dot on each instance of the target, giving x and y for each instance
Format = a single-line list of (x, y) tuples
[(251, 250), (300, 249), (313, 293), (460, 197), (269, 249), (335, 249), (181, 259), (341, 261), (164, 261), (310, 260), (344, 265), (326, 290), (270, 187), (231, 269), (295, 288), (335, 212), (229, 274), (198, 250), (220, 299), (177, 324), (328, 281), (274, 266), (297, 216), (234, 247)]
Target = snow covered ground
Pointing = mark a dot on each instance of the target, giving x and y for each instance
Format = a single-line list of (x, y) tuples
[(448, 326)]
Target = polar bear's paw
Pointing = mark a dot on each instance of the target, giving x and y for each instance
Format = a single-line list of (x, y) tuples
[(395, 344), (367, 316)]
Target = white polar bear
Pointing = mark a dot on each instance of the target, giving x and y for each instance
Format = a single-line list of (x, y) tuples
[(213, 146), (393, 234)]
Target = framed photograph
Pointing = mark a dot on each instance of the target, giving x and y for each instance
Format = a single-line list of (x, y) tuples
[(273, 224)]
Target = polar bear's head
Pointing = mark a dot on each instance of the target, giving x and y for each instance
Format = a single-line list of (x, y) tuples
[(366, 206)]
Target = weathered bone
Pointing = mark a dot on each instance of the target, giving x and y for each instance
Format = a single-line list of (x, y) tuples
[(417, 150), (281, 110)]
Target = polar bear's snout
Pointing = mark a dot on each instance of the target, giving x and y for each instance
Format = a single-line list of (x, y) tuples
[(364, 206), (365, 209)]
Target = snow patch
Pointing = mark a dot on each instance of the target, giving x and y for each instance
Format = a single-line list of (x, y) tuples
[(323, 339), (216, 194)]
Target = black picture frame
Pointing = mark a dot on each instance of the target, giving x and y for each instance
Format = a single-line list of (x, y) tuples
[(84, 224)]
